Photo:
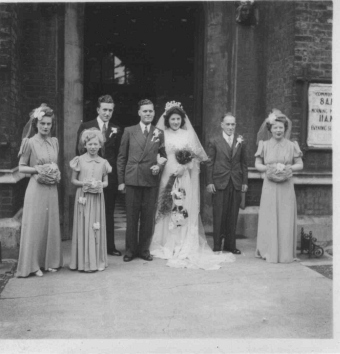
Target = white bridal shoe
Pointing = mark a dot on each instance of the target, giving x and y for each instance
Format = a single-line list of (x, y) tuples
[(39, 273)]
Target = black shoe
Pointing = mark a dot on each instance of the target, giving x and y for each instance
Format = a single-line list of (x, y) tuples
[(234, 251), (127, 258), (147, 258), (217, 249), (114, 253)]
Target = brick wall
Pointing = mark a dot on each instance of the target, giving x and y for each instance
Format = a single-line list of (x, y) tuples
[(11, 198), (314, 200), (313, 57), (299, 42), (10, 87), (39, 54), (292, 39), (28, 77), (11, 195)]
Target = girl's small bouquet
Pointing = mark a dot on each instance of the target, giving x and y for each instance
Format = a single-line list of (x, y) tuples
[(48, 173), (279, 172), (92, 186)]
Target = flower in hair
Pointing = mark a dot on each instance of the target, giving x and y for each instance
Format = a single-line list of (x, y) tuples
[(271, 118), (38, 113), (172, 104)]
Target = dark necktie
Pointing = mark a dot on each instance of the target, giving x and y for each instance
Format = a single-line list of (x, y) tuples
[(146, 132), (104, 132)]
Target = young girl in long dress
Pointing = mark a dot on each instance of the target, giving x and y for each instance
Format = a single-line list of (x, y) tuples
[(89, 250)]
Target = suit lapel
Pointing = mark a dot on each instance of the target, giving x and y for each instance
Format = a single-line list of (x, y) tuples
[(235, 148), (224, 145), (138, 135)]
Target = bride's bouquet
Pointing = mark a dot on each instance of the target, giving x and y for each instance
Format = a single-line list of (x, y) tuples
[(279, 172), (48, 173), (184, 156)]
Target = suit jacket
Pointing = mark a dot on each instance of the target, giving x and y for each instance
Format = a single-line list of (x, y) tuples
[(226, 163), (136, 156), (111, 147)]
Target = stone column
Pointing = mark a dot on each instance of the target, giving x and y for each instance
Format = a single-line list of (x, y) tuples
[(216, 75), (73, 103)]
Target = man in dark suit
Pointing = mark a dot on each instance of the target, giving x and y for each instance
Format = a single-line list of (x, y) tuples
[(227, 177), (138, 174), (112, 135)]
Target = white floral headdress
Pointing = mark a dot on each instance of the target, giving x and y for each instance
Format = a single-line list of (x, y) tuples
[(173, 104), (39, 113)]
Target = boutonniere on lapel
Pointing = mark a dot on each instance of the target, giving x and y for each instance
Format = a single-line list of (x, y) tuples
[(113, 131), (239, 140), (156, 134)]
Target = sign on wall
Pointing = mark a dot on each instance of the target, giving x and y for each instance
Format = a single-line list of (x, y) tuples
[(320, 116)]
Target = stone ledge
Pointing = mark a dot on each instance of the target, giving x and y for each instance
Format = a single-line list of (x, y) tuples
[(301, 177), (11, 176)]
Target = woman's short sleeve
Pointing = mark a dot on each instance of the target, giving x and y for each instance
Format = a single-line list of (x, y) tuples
[(75, 164), (297, 151), (24, 152), (107, 168), (260, 152)]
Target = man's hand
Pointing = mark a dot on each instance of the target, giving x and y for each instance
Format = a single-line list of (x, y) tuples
[(155, 169), (211, 188), (161, 160), (121, 187), (244, 188)]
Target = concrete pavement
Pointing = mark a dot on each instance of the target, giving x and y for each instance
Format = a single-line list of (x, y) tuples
[(246, 299)]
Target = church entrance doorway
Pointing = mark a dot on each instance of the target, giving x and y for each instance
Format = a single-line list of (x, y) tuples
[(143, 50)]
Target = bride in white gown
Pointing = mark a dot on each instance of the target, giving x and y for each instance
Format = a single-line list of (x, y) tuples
[(179, 235)]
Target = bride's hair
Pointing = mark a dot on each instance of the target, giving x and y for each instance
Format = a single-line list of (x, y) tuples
[(170, 112)]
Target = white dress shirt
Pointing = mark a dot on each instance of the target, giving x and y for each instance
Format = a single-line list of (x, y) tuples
[(101, 123), (228, 139), (142, 125)]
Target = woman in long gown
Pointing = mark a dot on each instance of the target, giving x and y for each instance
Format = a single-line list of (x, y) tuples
[(179, 235), (40, 242), (277, 157)]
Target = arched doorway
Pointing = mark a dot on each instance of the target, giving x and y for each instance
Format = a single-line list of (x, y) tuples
[(142, 50)]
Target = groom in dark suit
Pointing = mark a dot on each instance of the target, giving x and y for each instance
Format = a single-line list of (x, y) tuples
[(112, 135), (227, 176), (138, 174)]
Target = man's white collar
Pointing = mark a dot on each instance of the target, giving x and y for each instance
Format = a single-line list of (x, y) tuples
[(142, 125), (101, 123)]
